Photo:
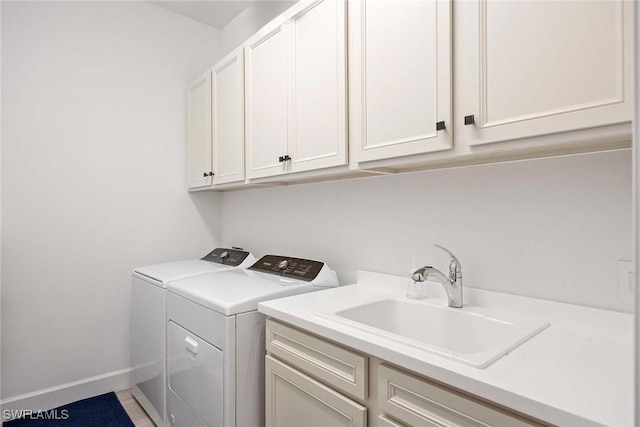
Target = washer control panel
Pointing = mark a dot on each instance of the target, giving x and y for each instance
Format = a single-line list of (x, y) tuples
[(230, 257), (293, 268)]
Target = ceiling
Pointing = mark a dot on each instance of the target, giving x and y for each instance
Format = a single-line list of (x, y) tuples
[(215, 13)]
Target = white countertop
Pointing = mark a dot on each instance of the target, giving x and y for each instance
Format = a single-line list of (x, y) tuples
[(577, 372)]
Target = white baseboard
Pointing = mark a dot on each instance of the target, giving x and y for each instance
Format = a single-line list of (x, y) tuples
[(53, 397)]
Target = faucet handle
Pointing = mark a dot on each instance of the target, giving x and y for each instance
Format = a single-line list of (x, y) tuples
[(455, 267)]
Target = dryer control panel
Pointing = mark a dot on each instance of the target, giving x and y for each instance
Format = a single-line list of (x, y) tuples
[(294, 268), (230, 257)]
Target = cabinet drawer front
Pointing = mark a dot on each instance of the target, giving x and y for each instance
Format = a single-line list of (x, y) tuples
[(340, 368), (419, 402), (384, 421), (294, 399)]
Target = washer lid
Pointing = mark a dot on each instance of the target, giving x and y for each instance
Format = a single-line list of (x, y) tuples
[(237, 291), (161, 274)]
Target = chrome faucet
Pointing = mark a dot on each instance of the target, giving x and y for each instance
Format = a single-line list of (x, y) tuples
[(452, 284)]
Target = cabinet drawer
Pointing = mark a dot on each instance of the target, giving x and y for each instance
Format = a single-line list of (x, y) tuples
[(419, 402), (384, 421), (342, 369), (294, 400)]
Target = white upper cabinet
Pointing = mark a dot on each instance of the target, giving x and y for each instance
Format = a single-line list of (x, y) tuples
[(266, 92), (228, 118), (199, 148), (318, 100), (295, 82), (399, 77), (530, 68), (430, 82)]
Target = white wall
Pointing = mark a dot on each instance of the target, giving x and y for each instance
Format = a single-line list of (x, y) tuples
[(93, 177), (636, 203), (0, 205), (249, 22), (549, 228)]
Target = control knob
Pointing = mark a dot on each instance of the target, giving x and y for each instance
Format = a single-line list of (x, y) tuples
[(282, 265)]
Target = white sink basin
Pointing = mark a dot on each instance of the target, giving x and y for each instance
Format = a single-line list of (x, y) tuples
[(461, 334)]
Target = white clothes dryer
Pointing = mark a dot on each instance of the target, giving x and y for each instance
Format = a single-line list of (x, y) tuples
[(148, 325), (216, 341)]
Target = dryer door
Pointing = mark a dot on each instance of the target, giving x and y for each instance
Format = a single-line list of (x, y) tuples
[(178, 414), (195, 370)]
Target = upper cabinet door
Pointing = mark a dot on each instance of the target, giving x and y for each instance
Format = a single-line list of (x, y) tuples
[(199, 146), (399, 77), (266, 93), (528, 68), (317, 98), (228, 118)]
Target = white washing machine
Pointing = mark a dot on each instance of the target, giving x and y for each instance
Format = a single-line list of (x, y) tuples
[(215, 339), (148, 321)]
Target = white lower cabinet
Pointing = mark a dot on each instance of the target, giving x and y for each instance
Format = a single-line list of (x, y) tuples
[(313, 382), (385, 421), (420, 402), (295, 399)]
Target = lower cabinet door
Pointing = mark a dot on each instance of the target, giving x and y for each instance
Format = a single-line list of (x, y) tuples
[(293, 399)]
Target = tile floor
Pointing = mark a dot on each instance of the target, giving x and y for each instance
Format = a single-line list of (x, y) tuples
[(134, 410)]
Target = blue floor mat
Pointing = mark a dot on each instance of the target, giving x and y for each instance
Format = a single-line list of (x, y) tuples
[(99, 411)]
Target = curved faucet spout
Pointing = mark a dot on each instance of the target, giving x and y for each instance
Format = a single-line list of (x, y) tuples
[(423, 274), (452, 288), (452, 284)]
